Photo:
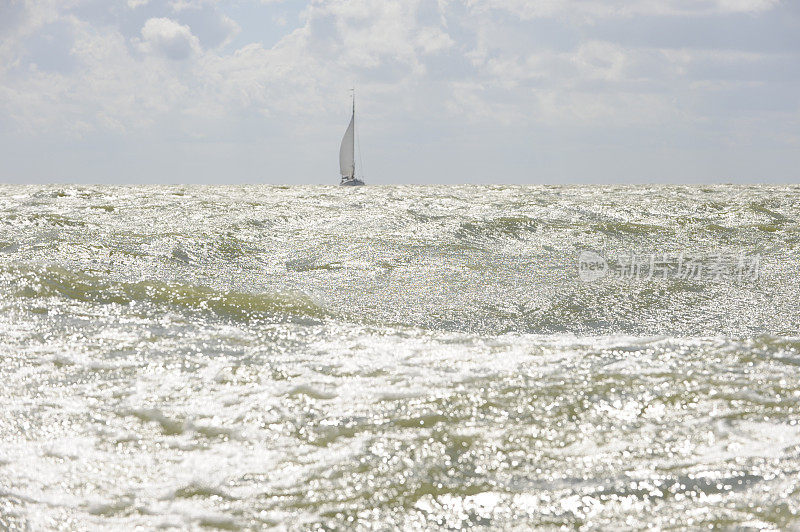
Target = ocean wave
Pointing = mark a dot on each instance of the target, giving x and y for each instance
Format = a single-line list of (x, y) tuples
[(56, 282), (501, 227), (630, 228)]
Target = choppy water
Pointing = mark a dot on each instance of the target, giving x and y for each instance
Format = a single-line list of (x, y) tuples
[(380, 357)]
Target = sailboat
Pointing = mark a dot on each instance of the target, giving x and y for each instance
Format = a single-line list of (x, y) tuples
[(347, 155)]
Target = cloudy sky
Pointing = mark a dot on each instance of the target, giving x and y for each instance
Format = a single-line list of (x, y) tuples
[(449, 91)]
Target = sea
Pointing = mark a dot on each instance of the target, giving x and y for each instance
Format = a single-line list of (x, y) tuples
[(399, 357)]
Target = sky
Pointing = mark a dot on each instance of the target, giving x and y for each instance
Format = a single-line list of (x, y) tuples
[(448, 91)]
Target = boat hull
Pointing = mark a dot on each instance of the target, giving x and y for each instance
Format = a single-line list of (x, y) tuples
[(352, 183)]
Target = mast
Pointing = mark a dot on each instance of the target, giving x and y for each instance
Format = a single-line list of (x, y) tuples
[(354, 134)]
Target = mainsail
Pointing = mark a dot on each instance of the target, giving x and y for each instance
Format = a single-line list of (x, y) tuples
[(347, 160)]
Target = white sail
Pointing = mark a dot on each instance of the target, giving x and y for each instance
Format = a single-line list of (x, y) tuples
[(347, 160)]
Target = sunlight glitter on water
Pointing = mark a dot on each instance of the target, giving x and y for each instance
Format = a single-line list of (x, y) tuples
[(242, 357)]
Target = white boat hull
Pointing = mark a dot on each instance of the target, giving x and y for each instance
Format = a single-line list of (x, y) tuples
[(352, 183)]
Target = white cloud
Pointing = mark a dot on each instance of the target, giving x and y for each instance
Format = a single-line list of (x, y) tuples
[(183, 5), (166, 36), (746, 5), (175, 76), (432, 40), (110, 91), (595, 9)]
